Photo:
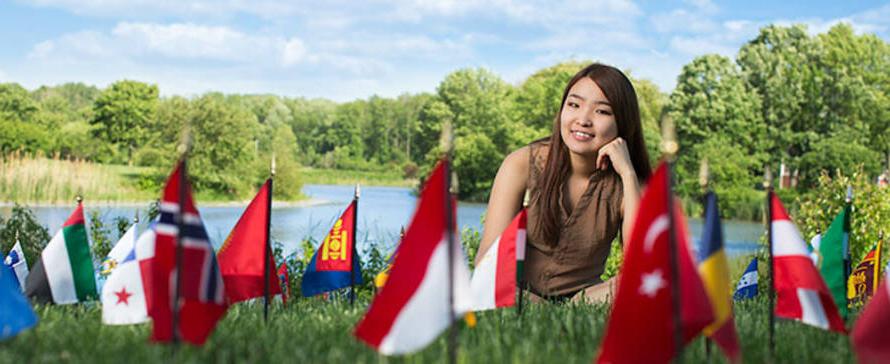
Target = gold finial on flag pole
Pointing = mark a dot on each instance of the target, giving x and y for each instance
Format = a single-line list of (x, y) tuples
[(136, 219), (272, 166), (526, 198), (669, 144), (78, 198), (446, 139), (704, 174), (357, 191)]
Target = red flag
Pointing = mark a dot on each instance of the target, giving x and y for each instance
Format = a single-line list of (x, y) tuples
[(201, 290), (241, 256), (641, 325), (801, 293), (413, 307), (285, 282), (870, 334), (335, 253)]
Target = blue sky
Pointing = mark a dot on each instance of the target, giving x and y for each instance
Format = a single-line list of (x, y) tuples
[(343, 50)]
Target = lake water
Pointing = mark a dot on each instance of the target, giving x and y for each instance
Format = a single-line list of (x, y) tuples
[(382, 213)]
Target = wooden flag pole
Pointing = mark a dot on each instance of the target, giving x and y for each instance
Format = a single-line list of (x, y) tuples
[(703, 180), (521, 275), (180, 225), (267, 246), (669, 148), (447, 143), (848, 264), (767, 184), (354, 249)]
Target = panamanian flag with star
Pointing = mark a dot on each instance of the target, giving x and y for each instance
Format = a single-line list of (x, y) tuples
[(123, 296)]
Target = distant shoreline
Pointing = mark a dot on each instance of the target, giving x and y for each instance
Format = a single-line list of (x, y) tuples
[(275, 204)]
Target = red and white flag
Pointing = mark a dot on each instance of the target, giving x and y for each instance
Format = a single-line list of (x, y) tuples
[(801, 293), (494, 279), (641, 326), (413, 308), (871, 339), (202, 299)]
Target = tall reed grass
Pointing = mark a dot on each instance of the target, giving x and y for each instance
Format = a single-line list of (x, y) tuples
[(28, 178)]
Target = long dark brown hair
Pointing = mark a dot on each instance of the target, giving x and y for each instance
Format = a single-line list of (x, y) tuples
[(620, 92)]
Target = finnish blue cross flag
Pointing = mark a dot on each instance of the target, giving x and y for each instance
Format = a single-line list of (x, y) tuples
[(747, 287), (15, 311)]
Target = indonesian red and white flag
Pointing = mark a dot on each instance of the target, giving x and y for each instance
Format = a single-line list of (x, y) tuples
[(641, 326), (801, 293), (871, 339), (494, 280), (413, 308)]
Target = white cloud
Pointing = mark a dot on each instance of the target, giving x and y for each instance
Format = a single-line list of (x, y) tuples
[(294, 51), (683, 21)]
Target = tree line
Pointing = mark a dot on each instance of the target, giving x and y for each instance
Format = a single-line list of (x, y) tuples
[(815, 102)]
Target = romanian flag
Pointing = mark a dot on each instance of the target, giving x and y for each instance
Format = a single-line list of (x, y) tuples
[(332, 263), (714, 272), (863, 282)]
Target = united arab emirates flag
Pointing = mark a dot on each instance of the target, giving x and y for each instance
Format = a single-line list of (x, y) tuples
[(64, 272)]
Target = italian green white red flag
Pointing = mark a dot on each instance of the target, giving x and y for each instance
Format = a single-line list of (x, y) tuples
[(495, 280), (64, 272)]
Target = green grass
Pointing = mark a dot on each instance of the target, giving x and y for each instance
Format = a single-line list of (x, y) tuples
[(312, 331), (316, 176)]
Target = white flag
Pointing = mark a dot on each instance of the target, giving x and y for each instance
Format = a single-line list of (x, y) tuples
[(16, 260), (123, 296)]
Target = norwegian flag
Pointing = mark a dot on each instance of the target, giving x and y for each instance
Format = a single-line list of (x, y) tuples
[(201, 291)]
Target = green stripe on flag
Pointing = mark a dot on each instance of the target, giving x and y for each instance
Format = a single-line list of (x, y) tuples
[(81, 261), (833, 268)]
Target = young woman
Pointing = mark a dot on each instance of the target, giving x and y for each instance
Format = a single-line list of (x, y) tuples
[(584, 185)]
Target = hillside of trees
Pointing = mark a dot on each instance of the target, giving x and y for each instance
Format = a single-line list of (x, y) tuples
[(815, 102)]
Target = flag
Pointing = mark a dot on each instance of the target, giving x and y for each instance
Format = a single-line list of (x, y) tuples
[(284, 281), (495, 279), (801, 293), (15, 311), (120, 251), (201, 290), (64, 272), (380, 278), (747, 286), (641, 325), (413, 307), (863, 282), (329, 268), (241, 256), (870, 334), (813, 248), (123, 294), (834, 251), (714, 270), (17, 263)]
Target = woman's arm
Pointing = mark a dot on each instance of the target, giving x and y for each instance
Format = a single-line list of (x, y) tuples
[(506, 198), (617, 154)]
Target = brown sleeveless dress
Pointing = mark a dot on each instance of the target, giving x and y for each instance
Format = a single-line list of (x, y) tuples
[(578, 259)]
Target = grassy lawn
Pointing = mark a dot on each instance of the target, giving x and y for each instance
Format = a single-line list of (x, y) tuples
[(314, 331)]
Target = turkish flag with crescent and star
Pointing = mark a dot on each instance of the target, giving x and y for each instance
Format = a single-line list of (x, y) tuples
[(641, 325)]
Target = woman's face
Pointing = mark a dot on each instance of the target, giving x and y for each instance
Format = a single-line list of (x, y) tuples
[(587, 121)]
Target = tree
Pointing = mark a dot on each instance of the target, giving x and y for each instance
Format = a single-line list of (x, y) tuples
[(222, 147), (122, 115), (716, 117)]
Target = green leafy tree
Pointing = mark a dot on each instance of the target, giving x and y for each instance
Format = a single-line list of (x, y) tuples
[(23, 224), (123, 114)]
